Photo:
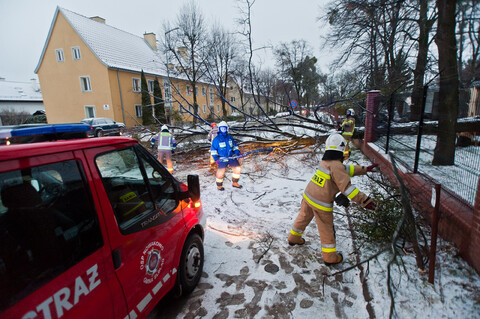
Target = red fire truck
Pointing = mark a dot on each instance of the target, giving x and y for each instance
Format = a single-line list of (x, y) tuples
[(94, 228)]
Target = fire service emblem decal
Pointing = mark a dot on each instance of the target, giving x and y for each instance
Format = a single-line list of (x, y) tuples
[(151, 261)]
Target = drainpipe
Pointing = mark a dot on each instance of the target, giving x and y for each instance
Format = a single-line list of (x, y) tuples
[(121, 98)]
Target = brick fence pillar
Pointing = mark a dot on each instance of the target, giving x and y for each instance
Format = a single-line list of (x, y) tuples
[(371, 117), (474, 248)]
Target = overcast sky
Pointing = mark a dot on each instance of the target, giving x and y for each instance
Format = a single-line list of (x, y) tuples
[(24, 24)]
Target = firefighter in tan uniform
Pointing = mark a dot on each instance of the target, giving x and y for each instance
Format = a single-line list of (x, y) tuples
[(331, 177), (347, 127)]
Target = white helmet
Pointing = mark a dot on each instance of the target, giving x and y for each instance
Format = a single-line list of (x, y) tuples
[(164, 127), (335, 142), (223, 124), (350, 112)]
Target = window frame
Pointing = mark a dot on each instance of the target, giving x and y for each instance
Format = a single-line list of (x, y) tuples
[(85, 84), (59, 55), (92, 107), (136, 85), (150, 84), (76, 54), (138, 110), (136, 224)]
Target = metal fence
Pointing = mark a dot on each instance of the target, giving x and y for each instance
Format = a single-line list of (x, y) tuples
[(415, 149)]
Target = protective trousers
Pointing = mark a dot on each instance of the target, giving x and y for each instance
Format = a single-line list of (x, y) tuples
[(221, 174), (167, 154), (325, 228)]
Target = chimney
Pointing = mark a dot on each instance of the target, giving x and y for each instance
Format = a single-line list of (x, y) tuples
[(98, 19), (151, 40), (183, 52)]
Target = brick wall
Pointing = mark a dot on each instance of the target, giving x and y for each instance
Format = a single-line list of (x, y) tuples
[(458, 223)]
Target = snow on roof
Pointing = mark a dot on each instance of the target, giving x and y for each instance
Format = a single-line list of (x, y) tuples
[(113, 47), (20, 91)]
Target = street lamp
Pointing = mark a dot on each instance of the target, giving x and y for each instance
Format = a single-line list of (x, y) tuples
[(169, 103)]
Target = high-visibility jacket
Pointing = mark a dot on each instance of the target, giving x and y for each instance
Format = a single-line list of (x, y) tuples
[(223, 146), (331, 177), (166, 141), (213, 133), (348, 126)]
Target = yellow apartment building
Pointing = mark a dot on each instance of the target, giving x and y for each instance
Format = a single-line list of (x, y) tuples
[(90, 69)]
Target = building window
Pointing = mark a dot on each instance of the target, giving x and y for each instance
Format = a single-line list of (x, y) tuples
[(211, 99), (85, 84), (218, 108), (76, 53), (59, 55), (136, 85), (89, 111), (189, 90), (232, 99), (196, 90), (150, 86), (138, 110), (204, 92), (167, 92), (204, 108)]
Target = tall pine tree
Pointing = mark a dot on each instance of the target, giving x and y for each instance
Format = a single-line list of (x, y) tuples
[(147, 116), (159, 102)]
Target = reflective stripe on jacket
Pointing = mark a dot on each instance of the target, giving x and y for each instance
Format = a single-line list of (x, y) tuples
[(223, 146), (166, 141), (331, 177), (348, 126)]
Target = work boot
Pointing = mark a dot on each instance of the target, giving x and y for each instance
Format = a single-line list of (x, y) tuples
[(236, 185), (220, 188), (339, 256), (300, 243)]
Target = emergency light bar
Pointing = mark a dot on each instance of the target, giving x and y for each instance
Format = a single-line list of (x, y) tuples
[(31, 133)]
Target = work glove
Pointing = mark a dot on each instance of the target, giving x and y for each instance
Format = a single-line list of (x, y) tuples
[(152, 144), (371, 206), (173, 151), (342, 200), (371, 167)]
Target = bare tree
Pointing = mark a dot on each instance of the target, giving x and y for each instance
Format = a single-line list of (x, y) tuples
[(444, 153), (223, 52), (289, 57), (188, 45)]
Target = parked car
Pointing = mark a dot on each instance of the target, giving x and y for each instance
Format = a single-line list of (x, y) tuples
[(94, 228), (102, 126)]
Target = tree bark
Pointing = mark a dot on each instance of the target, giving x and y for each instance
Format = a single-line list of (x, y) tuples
[(419, 72), (444, 153)]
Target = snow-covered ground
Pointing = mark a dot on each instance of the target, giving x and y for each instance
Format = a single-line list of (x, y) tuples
[(250, 270), (461, 178)]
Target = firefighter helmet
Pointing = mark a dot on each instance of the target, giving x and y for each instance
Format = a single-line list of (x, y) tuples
[(350, 112), (213, 124), (223, 126), (164, 128), (335, 142)]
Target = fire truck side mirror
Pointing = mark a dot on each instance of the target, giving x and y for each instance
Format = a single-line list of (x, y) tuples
[(194, 187)]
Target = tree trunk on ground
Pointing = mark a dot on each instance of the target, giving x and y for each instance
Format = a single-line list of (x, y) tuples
[(444, 153)]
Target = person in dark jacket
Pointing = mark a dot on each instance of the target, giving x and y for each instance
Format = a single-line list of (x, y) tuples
[(225, 152)]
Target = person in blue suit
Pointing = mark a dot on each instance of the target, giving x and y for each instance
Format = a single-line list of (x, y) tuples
[(225, 152)]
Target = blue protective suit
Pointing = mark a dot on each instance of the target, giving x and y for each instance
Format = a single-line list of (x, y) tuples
[(223, 146)]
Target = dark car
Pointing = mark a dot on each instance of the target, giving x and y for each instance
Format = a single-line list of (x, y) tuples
[(102, 126)]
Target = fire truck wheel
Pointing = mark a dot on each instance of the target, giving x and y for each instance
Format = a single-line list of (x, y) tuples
[(191, 264)]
